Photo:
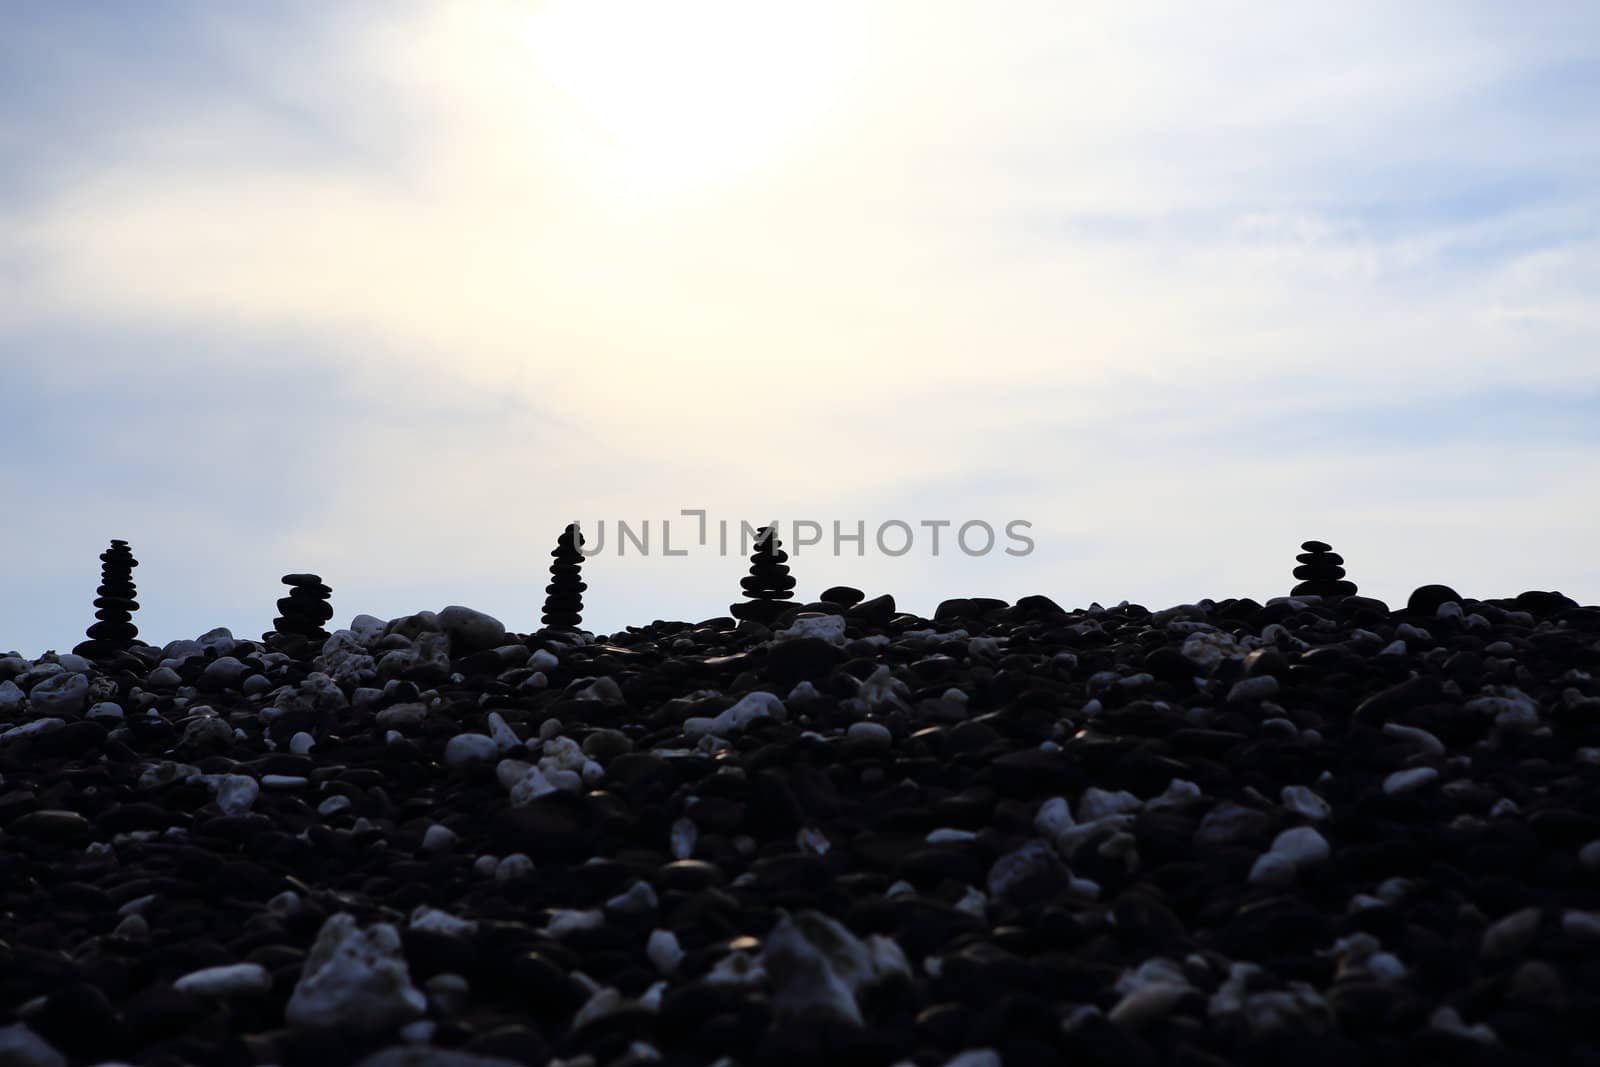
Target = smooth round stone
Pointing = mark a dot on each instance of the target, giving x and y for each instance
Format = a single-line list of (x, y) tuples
[(1331, 558), (872, 735), (1323, 587), (313, 611), (1409, 780), (775, 586), (471, 630), (1510, 935), (688, 876), (1542, 602), (466, 749), (1316, 546), (843, 595), (301, 579), (1425, 599), (50, 824), (60, 695), (112, 631), (606, 744), (878, 610), (1318, 570)]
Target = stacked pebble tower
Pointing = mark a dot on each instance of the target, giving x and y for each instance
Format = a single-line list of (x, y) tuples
[(769, 583), (115, 631), (1320, 572), (563, 597), (304, 611)]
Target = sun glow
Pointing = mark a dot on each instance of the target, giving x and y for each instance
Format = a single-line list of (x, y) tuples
[(692, 91)]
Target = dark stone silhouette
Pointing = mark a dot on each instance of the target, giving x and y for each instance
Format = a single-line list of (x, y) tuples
[(1320, 572), (304, 611), (563, 597), (768, 584), (115, 631), (1425, 599), (843, 595)]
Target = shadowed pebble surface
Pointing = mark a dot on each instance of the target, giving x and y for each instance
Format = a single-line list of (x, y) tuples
[(1316, 829)]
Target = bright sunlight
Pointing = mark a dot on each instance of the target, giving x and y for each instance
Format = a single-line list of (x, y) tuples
[(694, 92)]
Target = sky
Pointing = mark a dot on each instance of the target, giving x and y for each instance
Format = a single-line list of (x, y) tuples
[(392, 292)]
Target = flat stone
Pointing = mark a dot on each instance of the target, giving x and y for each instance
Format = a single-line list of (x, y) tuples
[(50, 825)]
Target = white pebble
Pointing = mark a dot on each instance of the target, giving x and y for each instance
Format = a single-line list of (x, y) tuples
[(1054, 817), (1097, 803), (1424, 740), (1385, 967), (829, 628), (974, 903), (1447, 1019), (664, 951), (1303, 801), (354, 973), (333, 805), (465, 749), (236, 792), (516, 865), (802, 693), (133, 928), (564, 921), (439, 838), (1409, 780), (869, 734), (419, 1031), (226, 981), (284, 781), (946, 834), (1272, 869), (639, 899), (1179, 794), (441, 922), (505, 738), (1292, 851), (301, 743), (812, 840), (682, 838)]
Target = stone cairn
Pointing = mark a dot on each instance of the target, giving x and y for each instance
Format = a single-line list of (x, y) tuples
[(115, 631), (1320, 572), (769, 583), (563, 597), (305, 610)]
